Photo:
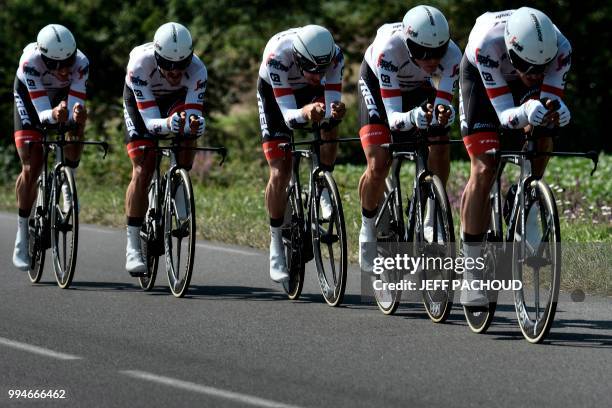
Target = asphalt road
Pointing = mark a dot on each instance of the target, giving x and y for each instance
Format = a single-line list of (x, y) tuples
[(235, 340)]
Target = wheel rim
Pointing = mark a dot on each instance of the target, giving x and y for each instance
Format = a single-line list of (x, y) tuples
[(179, 233), (64, 229), (329, 244)]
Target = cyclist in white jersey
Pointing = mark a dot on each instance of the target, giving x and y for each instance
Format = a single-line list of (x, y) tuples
[(512, 59), (300, 81), (397, 97), (49, 88), (164, 79)]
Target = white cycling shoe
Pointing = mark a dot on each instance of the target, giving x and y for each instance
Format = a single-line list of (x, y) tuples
[(367, 244), (134, 262), (21, 254), (473, 297), (278, 263), (327, 209), (428, 224)]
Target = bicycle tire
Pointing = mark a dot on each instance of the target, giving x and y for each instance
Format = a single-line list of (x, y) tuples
[(150, 237), (479, 319), (438, 303), (331, 289), (179, 226), (536, 330), (293, 242), (64, 228), (37, 226), (390, 229)]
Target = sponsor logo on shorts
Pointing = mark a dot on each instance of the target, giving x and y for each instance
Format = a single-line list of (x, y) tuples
[(368, 99), (21, 110)]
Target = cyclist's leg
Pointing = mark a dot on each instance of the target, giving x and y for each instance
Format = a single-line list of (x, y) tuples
[(274, 132), (374, 131), (479, 126), (31, 156), (143, 167)]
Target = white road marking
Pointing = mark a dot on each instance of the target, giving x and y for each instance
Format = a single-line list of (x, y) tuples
[(224, 249), (37, 350), (203, 389)]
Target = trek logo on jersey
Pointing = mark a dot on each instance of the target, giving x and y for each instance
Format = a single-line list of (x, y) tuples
[(200, 85), (83, 71), (276, 64), (30, 71), (563, 60), (386, 65), (368, 99), (411, 32), (485, 60), (137, 81), (21, 110), (515, 44)]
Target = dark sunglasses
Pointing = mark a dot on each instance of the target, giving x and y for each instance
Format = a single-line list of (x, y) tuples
[(420, 52), (524, 66), (53, 65), (168, 65), (308, 66)]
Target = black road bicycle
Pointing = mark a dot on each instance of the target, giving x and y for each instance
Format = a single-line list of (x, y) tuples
[(534, 256), (54, 221), (428, 199), (169, 226), (307, 234)]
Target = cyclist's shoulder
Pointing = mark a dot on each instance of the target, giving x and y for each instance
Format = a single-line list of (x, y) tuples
[(142, 54), (197, 69)]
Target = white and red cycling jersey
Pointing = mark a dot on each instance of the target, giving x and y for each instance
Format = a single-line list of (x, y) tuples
[(486, 50), (147, 83), (33, 73), (279, 70), (389, 59)]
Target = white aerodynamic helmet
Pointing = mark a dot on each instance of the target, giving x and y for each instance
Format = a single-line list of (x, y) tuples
[(531, 40), (314, 49), (173, 46), (57, 46), (426, 32)]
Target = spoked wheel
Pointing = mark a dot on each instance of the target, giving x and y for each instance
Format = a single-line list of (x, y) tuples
[(64, 226), (479, 318), (38, 235), (293, 241), (329, 241), (434, 238), (389, 230), (150, 239), (537, 263), (179, 232)]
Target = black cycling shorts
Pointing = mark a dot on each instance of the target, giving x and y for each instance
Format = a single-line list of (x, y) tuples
[(373, 121), (25, 117)]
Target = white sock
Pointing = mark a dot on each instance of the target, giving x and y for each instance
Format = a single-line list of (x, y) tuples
[(22, 229), (133, 238)]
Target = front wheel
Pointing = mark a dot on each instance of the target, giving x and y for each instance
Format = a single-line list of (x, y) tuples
[(38, 234), (435, 238), (329, 241), (64, 226), (537, 262), (179, 232)]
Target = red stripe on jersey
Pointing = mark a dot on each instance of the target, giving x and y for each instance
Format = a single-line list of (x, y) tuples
[(444, 95), (333, 87), (553, 90), (194, 106), (390, 93), (76, 94), (495, 92), (280, 92), (146, 105), (37, 94)]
